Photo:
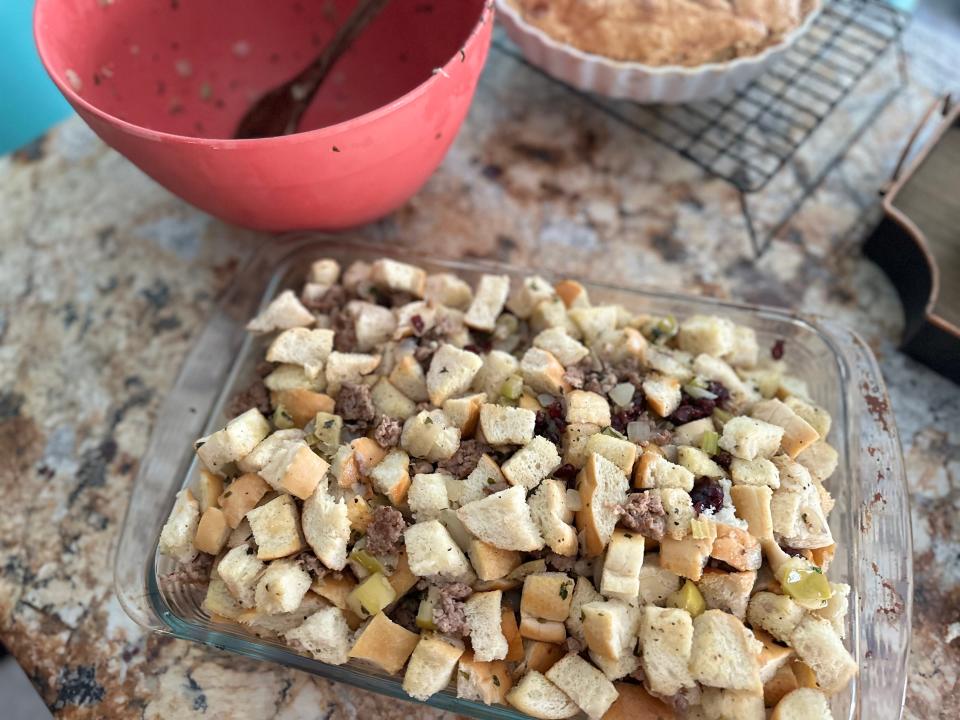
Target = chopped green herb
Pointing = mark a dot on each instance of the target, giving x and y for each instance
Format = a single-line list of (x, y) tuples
[(428, 420), (611, 432), (563, 591), (228, 493), (328, 424), (496, 681)]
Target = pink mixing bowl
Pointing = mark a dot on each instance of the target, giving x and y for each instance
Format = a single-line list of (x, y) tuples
[(165, 82)]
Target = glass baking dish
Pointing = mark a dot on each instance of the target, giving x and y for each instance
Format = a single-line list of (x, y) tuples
[(871, 520)]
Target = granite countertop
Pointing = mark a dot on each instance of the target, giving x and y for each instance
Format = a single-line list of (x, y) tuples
[(105, 279)]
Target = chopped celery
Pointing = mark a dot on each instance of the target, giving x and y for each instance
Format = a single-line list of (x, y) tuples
[(371, 596), (512, 387), (688, 598), (282, 420), (710, 442), (610, 432), (665, 329), (367, 561), (804, 582), (721, 416)]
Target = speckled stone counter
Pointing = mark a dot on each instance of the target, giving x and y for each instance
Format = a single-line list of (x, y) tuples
[(105, 278)]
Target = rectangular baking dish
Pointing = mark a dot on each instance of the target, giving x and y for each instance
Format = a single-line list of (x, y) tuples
[(871, 520)]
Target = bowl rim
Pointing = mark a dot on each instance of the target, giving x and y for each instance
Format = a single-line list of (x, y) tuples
[(43, 7), (511, 14)]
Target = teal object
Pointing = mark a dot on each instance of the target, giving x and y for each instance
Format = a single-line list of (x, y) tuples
[(29, 101)]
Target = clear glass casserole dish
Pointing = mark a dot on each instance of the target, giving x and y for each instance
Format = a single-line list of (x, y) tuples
[(871, 520)]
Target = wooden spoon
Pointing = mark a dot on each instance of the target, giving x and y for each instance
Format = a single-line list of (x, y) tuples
[(278, 111)]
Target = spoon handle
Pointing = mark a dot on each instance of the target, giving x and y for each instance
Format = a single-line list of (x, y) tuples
[(305, 85)]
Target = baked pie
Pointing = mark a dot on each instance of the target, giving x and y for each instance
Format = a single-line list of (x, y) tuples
[(667, 32)]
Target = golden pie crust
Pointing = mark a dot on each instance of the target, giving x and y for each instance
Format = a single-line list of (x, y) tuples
[(667, 32)]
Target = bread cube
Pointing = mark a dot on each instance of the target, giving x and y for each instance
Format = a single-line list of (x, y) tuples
[(574, 442), (836, 608), (662, 393), (429, 435), (583, 593), (685, 557), (797, 432), (488, 682), (326, 527), (209, 488), (502, 425), (666, 641), (373, 325), (822, 650), (586, 686), (428, 495), (284, 311), (711, 368), (635, 703), (502, 520), (240, 569), (219, 603), (744, 352), (547, 596), (397, 276), (732, 705), (670, 363), (747, 438), (451, 372), (656, 583), (537, 697), (239, 437), (267, 449), (531, 292), (679, 510), (464, 412), (776, 614), (447, 289), (814, 415), (551, 631), (706, 334), (295, 469), (736, 547), (391, 476), (553, 313), (602, 486), (820, 459), (727, 591), (531, 463), (620, 452), (432, 551), (753, 505), (802, 704), (276, 528), (482, 610), (385, 644), (548, 507), (691, 433), (698, 462), (176, 537), (212, 531), (587, 407), (348, 368), (431, 666), (719, 634), (291, 377), (281, 587), (655, 471), (592, 321), (325, 635), (497, 367), (389, 401), (408, 377), (542, 372), (357, 273), (759, 471), (491, 563), (474, 486), (610, 628), (567, 350), (241, 496), (487, 302), (306, 347), (325, 271), (620, 577)]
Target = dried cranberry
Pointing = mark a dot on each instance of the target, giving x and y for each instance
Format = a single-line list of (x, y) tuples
[(548, 427), (417, 322), (776, 352), (565, 472), (723, 459), (555, 410), (470, 347), (720, 390), (692, 409), (482, 342), (706, 495)]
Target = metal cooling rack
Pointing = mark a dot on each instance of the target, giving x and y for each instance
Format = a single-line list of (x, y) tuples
[(749, 138)]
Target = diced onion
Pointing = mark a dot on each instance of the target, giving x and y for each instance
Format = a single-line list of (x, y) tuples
[(545, 399), (698, 393), (639, 431), (622, 394)]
